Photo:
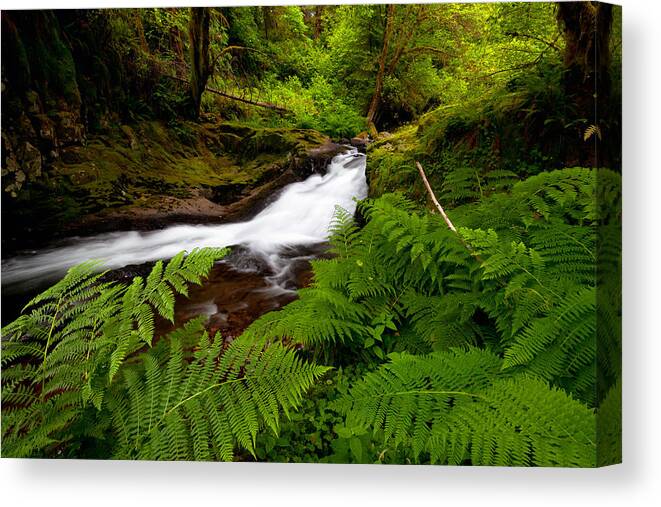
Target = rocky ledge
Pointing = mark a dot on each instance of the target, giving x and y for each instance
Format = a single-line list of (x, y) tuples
[(148, 175)]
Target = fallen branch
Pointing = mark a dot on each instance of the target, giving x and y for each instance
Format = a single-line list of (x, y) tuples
[(267, 105), (433, 198), (443, 214)]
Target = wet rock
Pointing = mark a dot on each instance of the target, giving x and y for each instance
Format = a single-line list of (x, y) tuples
[(233, 297), (318, 158), (360, 141), (128, 273), (242, 259)]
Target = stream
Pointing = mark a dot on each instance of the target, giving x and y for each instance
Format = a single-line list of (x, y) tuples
[(269, 261)]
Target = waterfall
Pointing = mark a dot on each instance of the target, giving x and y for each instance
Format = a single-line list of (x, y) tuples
[(300, 216)]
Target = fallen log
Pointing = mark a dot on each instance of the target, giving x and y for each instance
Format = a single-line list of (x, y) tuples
[(266, 105)]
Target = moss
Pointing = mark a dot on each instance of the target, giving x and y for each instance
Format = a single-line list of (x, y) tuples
[(391, 162), (51, 63), (508, 131), (146, 164), (132, 165), (256, 141)]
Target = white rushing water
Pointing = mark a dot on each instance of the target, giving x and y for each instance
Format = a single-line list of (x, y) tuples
[(299, 216)]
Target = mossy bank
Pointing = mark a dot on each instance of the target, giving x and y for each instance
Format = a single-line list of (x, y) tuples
[(149, 174)]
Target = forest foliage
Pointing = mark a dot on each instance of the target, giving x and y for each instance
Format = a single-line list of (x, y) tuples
[(482, 343), (498, 343), (319, 62)]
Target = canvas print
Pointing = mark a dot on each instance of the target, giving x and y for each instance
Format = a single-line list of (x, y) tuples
[(368, 234)]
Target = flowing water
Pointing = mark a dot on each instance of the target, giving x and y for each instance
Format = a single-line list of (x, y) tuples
[(270, 260)]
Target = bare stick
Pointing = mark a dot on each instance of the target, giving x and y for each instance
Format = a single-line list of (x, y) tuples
[(433, 198), (451, 226)]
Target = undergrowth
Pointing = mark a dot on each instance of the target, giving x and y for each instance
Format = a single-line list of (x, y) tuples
[(515, 289), (498, 344)]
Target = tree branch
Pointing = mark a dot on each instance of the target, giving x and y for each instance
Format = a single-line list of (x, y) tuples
[(533, 37), (433, 198), (440, 209)]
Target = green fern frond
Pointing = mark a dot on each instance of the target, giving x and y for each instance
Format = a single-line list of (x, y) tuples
[(609, 427), (172, 406), (77, 335), (457, 407)]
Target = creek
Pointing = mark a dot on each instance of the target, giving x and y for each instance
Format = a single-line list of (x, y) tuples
[(269, 259)]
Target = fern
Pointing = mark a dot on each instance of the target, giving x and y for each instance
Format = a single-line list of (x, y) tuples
[(519, 315), (466, 184), (178, 405), (539, 259), (61, 354), (592, 130), (537, 290), (73, 373), (395, 249), (609, 427), (444, 321), (457, 408)]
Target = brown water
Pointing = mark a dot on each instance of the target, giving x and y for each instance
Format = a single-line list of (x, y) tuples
[(241, 289)]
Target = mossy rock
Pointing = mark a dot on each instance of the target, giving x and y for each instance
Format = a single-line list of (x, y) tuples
[(391, 163), (139, 165)]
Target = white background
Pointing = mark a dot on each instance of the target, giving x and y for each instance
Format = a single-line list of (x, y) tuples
[(636, 482)]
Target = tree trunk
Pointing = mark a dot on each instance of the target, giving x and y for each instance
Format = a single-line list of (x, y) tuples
[(587, 27), (137, 19), (318, 16), (378, 87), (201, 67), (268, 15), (177, 44)]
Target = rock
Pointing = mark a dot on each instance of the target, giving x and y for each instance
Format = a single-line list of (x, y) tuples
[(229, 142), (130, 135), (46, 131), (361, 144), (19, 166), (361, 141), (24, 128), (32, 102), (72, 155), (30, 162), (358, 141), (316, 159), (68, 128)]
